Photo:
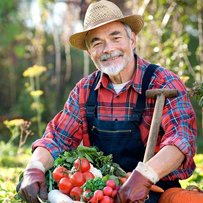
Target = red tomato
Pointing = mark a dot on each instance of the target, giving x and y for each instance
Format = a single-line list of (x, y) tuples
[(65, 185), (88, 175), (76, 193), (98, 195), (106, 199), (77, 179), (111, 183), (107, 191), (86, 195), (82, 164), (59, 173), (93, 200)]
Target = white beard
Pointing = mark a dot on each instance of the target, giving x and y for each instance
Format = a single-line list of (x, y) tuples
[(112, 70)]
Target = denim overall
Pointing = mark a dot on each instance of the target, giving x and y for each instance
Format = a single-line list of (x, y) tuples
[(122, 139)]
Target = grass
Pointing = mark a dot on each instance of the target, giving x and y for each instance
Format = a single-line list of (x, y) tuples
[(8, 182), (12, 165)]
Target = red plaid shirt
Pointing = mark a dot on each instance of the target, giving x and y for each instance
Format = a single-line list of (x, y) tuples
[(69, 127)]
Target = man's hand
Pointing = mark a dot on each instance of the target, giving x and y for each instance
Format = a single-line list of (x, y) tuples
[(135, 189), (33, 184)]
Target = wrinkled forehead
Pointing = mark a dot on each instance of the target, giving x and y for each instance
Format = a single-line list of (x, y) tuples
[(105, 30)]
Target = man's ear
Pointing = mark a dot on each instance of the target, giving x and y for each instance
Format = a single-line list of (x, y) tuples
[(133, 39)]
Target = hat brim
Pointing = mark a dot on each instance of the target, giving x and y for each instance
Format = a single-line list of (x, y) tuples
[(136, 23)]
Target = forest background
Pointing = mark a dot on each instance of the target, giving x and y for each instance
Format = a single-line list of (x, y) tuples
[(38, 68)]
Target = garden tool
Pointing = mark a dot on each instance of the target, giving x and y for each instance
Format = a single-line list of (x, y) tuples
[(160, 95)]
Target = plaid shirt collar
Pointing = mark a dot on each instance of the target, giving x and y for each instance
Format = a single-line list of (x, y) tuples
[(136, 81)]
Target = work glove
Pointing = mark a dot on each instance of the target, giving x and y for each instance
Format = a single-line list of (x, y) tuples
[(135, 189), (33, 184)]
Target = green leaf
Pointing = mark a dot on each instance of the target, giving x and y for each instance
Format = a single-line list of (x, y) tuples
[(19, 50)]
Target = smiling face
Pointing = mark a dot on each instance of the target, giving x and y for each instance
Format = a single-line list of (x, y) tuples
[(111, 49)]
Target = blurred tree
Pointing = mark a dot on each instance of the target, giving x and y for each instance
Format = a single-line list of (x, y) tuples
[(200, 48), (13, 42)]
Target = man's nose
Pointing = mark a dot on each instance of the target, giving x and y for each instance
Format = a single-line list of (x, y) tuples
[(108, 47)]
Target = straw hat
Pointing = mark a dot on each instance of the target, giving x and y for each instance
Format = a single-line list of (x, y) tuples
[(100, 13)]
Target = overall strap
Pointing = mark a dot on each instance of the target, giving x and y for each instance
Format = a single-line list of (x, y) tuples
[(91, 104), (145, 84)]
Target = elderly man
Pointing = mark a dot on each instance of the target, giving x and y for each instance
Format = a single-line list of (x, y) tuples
[(108, 109)]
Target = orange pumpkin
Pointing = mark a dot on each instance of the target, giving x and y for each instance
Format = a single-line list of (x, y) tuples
[(179, 195)]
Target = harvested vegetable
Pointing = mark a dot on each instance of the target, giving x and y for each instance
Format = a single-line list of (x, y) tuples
[(85, 174), (96, 172), (82, 164), (179, 195), (56, 196), (97, 158), (60, 172), (156, 188)]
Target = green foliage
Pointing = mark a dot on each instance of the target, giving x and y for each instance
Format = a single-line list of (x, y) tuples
[(18, 128), (13, 44), (94, 184), (95, 156), (10, 157), (8, 184), (11, 166), (14, 127), (197, 92), (197, 177), (164, 39)]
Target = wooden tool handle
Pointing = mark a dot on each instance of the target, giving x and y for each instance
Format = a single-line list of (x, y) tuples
[(160, 95), (154, 129)]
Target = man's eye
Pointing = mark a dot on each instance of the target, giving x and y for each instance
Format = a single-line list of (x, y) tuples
[(97, 44), (117, 38)]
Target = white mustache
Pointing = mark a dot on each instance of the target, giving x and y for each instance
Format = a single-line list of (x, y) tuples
[(105, 57)]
